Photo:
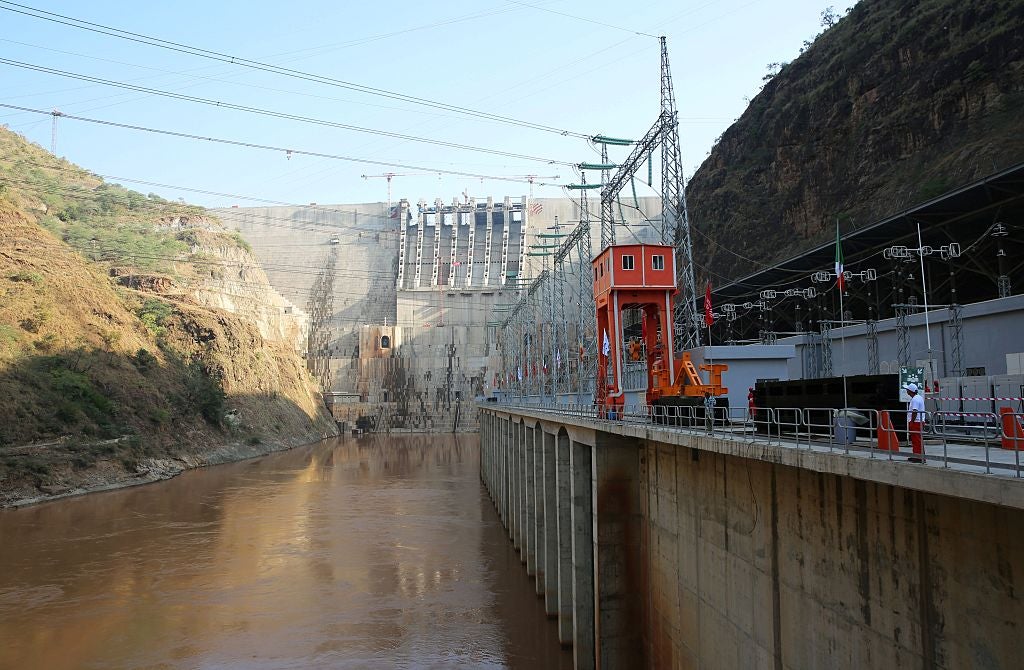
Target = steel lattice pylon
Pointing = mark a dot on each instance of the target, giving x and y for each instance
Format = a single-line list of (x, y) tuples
[(903, 334), (826, 348), (675, 217), (872, 337), (321, 310), (675, 226), (956, 323)]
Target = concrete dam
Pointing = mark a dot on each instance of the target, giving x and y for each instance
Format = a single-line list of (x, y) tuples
[(404, 300)]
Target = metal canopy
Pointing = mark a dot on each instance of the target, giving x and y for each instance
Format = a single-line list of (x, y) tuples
[(964, 216)]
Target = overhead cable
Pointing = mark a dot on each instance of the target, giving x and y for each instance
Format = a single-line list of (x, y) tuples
[(272, 113), (267, 147), (268, 67)]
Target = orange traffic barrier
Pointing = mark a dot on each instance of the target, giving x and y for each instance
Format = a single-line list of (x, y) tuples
[(1013, 432), (887, 440)]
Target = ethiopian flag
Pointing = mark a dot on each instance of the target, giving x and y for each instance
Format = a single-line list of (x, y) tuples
[(840, 279)]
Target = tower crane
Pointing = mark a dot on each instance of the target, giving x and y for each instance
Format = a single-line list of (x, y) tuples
[(533, 177), (389, 176)]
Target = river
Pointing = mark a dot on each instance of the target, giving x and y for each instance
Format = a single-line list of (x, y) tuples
[(372, 552)]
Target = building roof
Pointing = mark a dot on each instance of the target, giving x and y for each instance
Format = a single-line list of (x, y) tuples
[(964, 216)]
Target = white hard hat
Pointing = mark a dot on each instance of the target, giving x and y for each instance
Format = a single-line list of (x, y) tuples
[(911, 387)]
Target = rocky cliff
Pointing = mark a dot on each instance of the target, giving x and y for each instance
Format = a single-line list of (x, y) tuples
[(137, 338), (896, 103)]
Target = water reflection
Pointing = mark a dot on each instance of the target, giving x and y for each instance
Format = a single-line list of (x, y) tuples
[(348, 553)]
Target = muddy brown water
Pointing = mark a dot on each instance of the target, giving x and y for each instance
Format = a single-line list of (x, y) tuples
[(372, 552)]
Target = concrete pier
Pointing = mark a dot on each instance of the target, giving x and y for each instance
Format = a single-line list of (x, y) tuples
[(657, 547)]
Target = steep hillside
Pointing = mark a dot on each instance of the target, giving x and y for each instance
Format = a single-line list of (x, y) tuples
[(154, 346), (896, 103)]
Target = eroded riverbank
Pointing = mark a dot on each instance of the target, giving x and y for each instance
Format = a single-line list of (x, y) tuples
[(111, 474)]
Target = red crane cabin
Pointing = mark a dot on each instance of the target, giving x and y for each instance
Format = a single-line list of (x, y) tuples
[(634, 276)]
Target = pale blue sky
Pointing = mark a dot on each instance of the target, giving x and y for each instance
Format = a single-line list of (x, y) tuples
[(495, 55)]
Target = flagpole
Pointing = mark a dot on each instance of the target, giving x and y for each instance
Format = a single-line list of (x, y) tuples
[(842, 335), (841, 284)]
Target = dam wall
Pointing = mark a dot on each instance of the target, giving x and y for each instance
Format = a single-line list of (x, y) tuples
[(434, 278)]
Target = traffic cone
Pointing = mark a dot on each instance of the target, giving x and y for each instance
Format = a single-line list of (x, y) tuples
[(887, 440), (1013, 432)]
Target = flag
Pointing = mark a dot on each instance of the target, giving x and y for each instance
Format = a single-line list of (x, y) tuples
[(558, 359), (582, 351), (709, 316), (545, 368), (519, 372), (840, 279), (606, 348), (535, 208)]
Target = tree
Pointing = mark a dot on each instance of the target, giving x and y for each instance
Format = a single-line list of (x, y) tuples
[(829, 17)]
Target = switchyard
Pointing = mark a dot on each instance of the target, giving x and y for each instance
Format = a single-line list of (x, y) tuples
[(494, 297)]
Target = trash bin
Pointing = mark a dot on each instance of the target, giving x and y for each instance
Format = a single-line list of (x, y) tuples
[(846, 431)]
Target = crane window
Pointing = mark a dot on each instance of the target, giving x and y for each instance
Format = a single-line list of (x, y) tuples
[(627, 262), (658, 262)]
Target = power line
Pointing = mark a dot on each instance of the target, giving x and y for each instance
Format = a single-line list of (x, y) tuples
[(582, 18), (192, 75), (267, 147), (224, 213), (267, 67), (273, 113)]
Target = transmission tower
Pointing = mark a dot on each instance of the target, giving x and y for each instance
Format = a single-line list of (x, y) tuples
[(674, 215), (53, 131), (675, 229), (321, 310)]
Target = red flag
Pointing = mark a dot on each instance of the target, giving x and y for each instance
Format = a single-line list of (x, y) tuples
[(709, 316)]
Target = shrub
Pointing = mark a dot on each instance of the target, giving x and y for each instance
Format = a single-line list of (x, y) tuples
[(159, 416), (26, 276), (46, 343), (204, 392), (240, 241), (143, 360), (153, 313)]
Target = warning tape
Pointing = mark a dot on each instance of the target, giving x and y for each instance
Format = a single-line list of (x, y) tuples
[(976, 399), (986, 414)]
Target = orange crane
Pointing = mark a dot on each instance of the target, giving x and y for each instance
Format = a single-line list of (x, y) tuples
[(642, 276)]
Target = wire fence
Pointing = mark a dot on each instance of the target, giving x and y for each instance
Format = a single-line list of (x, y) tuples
[(986, 442)]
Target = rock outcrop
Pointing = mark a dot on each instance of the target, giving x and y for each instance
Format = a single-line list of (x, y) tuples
[(896, 103)]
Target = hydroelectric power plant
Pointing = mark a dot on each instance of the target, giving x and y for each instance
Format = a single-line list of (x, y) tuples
[(785, 517), (765, 413)]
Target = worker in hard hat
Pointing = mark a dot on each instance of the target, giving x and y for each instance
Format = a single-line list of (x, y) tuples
[(915, 422)]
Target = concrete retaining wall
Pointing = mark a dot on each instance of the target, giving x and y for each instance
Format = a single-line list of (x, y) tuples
[(690, 552)]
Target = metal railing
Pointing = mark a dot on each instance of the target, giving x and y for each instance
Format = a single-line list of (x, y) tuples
[(850, 430)]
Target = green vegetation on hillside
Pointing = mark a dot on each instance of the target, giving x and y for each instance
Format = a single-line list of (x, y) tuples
[(98, 375), (103, 221)]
